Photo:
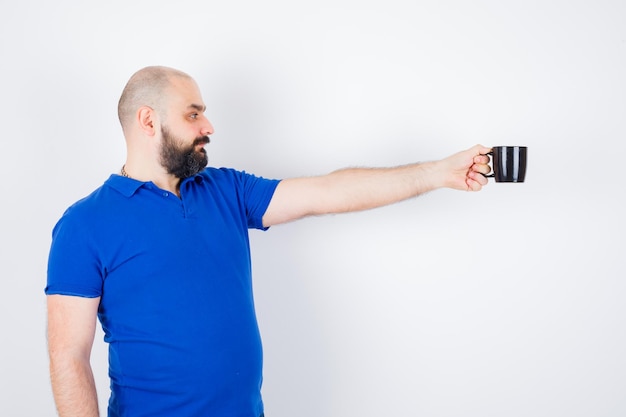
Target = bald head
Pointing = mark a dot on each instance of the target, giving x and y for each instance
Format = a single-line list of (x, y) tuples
[(147, 87)]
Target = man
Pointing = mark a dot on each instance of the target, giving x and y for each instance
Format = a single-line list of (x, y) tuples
[(160, 255)]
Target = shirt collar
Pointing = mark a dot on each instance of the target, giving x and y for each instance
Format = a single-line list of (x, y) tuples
[(129, 186), (125, 186)]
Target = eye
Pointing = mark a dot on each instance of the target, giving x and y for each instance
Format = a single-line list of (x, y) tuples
[(194, 115)]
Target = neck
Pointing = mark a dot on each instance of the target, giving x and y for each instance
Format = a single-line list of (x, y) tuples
[(166, 182)]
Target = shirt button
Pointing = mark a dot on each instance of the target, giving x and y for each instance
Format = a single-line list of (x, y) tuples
[(166, 194)]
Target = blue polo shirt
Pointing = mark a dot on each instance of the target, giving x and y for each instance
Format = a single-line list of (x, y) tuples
[(174, 277)]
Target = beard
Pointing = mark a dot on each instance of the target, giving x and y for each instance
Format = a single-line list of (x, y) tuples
[(181, 161)]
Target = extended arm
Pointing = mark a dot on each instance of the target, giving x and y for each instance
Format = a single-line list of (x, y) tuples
[(355, 189), (71, 330)]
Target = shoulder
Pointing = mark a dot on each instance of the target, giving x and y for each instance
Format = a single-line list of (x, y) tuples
[(221, 173), (230, 176), (94, 205)]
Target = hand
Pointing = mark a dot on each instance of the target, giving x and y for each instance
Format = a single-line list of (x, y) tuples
[(466, 170)]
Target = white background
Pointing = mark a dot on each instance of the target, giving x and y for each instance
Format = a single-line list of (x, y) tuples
[(508, 302)]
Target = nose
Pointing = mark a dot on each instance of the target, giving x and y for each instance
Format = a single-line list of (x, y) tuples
[(207, 128)]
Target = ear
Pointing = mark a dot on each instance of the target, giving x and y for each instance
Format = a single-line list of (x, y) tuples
[(147, 120)]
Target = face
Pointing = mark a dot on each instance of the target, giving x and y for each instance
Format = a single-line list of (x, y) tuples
[(186, 131)]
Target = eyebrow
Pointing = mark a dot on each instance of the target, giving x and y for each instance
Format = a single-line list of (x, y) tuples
[(198, 107)]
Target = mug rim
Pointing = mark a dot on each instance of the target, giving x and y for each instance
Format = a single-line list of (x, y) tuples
[(509, 146)]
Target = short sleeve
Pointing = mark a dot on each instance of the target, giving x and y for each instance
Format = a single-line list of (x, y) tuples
[(73, 262), (258, 192)]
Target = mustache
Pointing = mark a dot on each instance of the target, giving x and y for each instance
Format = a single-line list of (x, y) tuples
[(202, 140)]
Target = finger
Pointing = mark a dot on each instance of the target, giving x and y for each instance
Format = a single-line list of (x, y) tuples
[(473, 185), (481, 168), (476, 180), (481, 150), (481, 159)]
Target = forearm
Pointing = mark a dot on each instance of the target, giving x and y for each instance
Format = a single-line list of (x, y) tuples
[(360, 189), (349, 189), (73, 387), (355, 189)]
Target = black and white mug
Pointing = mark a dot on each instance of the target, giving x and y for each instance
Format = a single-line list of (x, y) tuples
[(508, 163)]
